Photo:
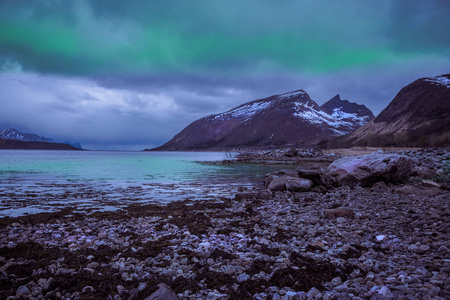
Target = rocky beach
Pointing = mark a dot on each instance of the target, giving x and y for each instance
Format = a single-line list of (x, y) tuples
[(373, 226)]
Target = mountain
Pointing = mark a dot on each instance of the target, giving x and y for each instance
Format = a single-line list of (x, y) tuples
[(11, 138), (287, 119), (419, 116), (13, 134)]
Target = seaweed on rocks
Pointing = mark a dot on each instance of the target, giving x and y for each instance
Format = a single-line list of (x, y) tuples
[(304, 273)]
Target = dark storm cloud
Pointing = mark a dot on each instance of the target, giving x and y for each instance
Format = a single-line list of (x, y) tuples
[(419, 25)]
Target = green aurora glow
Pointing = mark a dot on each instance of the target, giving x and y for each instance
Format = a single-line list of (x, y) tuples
[(239, 37)]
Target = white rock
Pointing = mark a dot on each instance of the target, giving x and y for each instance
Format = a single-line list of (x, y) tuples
[(243, 277), (381, 237)]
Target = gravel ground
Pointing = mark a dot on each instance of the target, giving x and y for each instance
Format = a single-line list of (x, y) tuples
[(382, 242), (343, 243)]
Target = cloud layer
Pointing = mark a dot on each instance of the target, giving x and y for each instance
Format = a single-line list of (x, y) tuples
[(132, 74)]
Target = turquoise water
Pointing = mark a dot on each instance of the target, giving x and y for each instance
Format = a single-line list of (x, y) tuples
[(33, 181), (121, 166)]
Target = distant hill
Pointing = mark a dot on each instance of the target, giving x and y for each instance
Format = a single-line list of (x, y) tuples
[(287, 119), (16, 144), (418, 116), (11, 138)]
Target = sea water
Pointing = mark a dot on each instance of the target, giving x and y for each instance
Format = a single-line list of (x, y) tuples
[(41, 180), (121, 166)]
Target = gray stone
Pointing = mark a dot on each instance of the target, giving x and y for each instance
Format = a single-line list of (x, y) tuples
[(277, 184), (336, 281), (341, 220), (289, 183), (386, 292), (379, 187), (22, 290), (92, 265), (164, 292), (313, 292), (417, 190), (265, 194), (315, 174), (423, 172), (243, 277), (240, 196), (298, 184), (88, 289), (45, 283), (430, 184)]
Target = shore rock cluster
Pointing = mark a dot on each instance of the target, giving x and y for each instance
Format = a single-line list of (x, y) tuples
[(331, 241), (285, 156)]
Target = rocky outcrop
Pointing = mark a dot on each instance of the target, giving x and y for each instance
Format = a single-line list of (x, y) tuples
[(419, 115), (287, 119), (365, 170)]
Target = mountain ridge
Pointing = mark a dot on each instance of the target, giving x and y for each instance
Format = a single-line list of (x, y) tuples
[(11, 138), (14, 134)]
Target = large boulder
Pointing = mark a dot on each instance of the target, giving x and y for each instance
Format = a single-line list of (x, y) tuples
[(365, 170)]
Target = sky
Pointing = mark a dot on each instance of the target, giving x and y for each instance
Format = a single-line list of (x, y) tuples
[(130, 75)]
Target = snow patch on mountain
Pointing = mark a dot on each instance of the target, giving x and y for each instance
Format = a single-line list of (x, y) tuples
[(292, 94), (244, 111), (340, 121), (439, 80)]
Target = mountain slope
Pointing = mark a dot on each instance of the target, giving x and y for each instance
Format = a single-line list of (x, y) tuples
[(419, 115), (287, 119)]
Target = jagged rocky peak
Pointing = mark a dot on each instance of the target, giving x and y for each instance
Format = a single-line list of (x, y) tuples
[(291, 118), (14, 134), (336, 104)]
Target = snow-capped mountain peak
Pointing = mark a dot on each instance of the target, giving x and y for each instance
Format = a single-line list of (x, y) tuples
[(286, 119)]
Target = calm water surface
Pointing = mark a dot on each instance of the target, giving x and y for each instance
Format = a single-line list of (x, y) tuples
[(33, 181), (121, 166)]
